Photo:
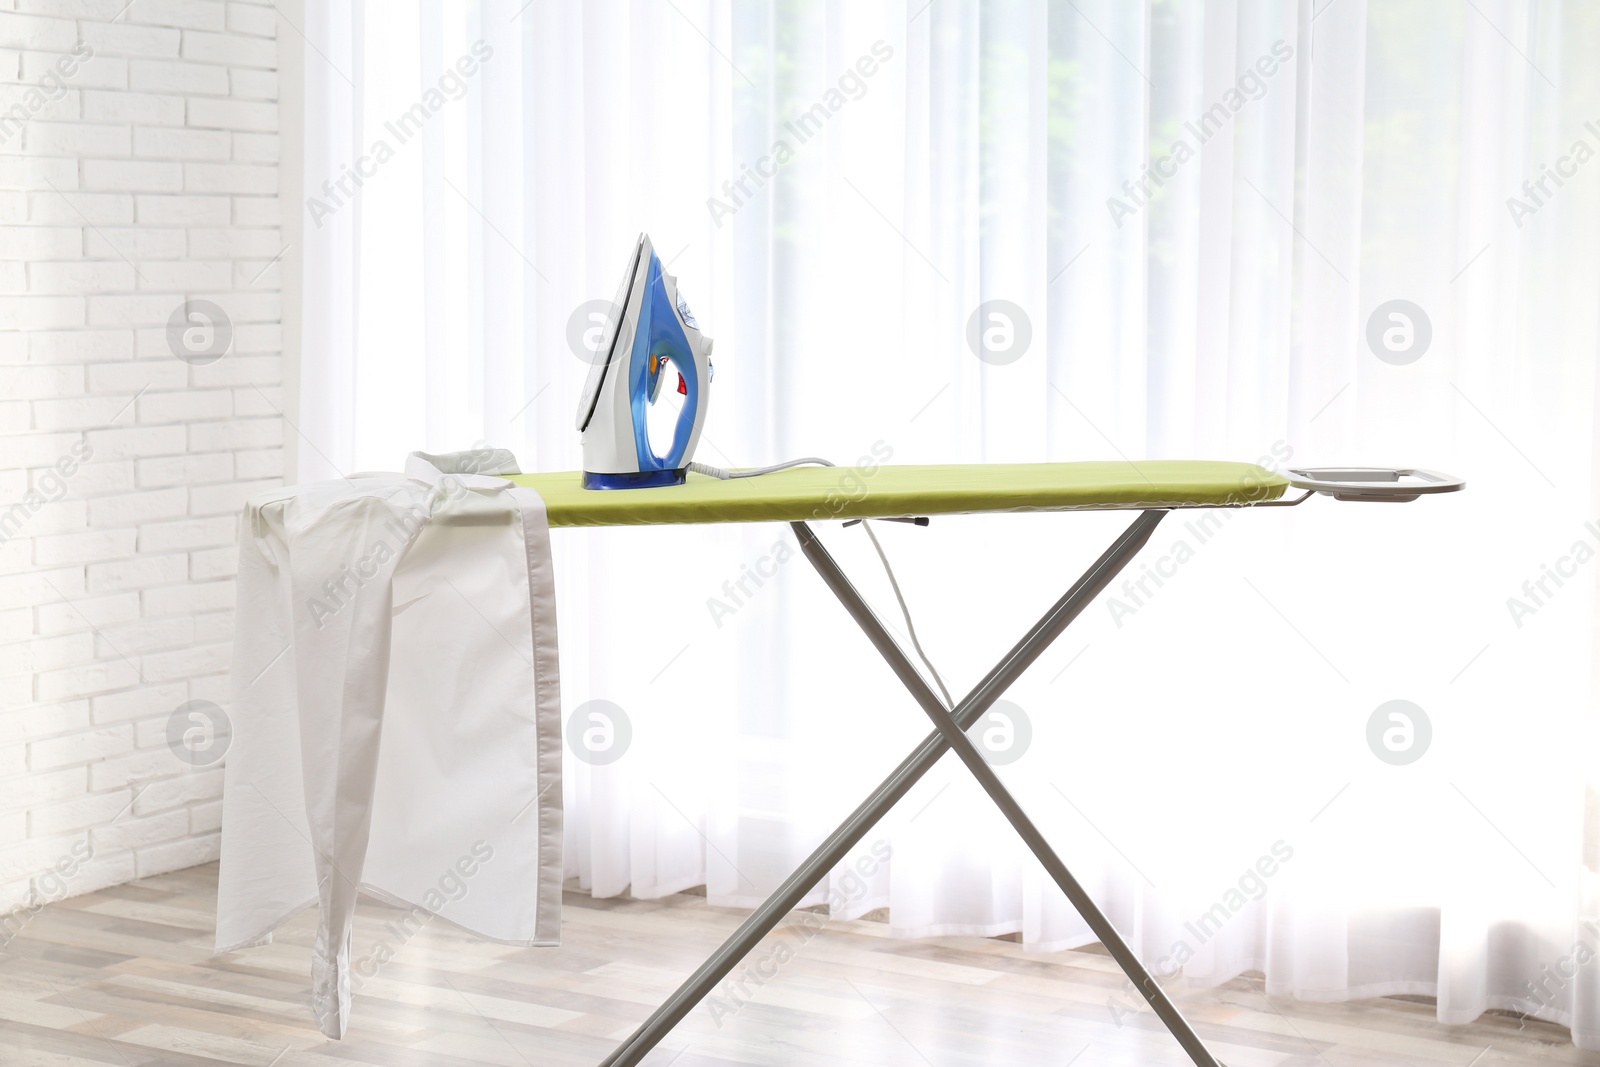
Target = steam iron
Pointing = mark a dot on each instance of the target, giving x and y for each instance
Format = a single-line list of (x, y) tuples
[(650, 330)]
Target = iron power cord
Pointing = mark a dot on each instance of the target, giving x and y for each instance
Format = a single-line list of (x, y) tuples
[(718, 472), (905, 612)]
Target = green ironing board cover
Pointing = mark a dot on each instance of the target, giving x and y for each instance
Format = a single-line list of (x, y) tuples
[(804, 493)]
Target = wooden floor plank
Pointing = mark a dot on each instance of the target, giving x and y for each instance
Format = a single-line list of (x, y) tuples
[(125, 976)]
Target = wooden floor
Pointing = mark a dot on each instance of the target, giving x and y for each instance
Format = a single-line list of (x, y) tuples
[(125, 976)]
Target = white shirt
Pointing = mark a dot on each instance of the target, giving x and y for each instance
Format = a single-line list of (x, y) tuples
[(417, 611)]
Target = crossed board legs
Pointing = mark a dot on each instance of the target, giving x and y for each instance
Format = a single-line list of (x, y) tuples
[(950, 734)]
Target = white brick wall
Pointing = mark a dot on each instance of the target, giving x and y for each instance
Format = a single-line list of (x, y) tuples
[(145, 177)]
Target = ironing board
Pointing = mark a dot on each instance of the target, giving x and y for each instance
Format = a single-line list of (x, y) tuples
[(802, 494)]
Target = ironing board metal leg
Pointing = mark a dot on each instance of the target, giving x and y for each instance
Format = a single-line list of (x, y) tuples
[(838, 844), (957, 739)]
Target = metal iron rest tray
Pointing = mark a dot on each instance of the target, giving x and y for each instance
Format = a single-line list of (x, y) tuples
[(1393, 484)]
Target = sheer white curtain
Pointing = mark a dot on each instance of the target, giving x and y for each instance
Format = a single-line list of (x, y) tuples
[(1196, 209)]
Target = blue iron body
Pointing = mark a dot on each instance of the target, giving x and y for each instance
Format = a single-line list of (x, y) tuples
[(654, 331)]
